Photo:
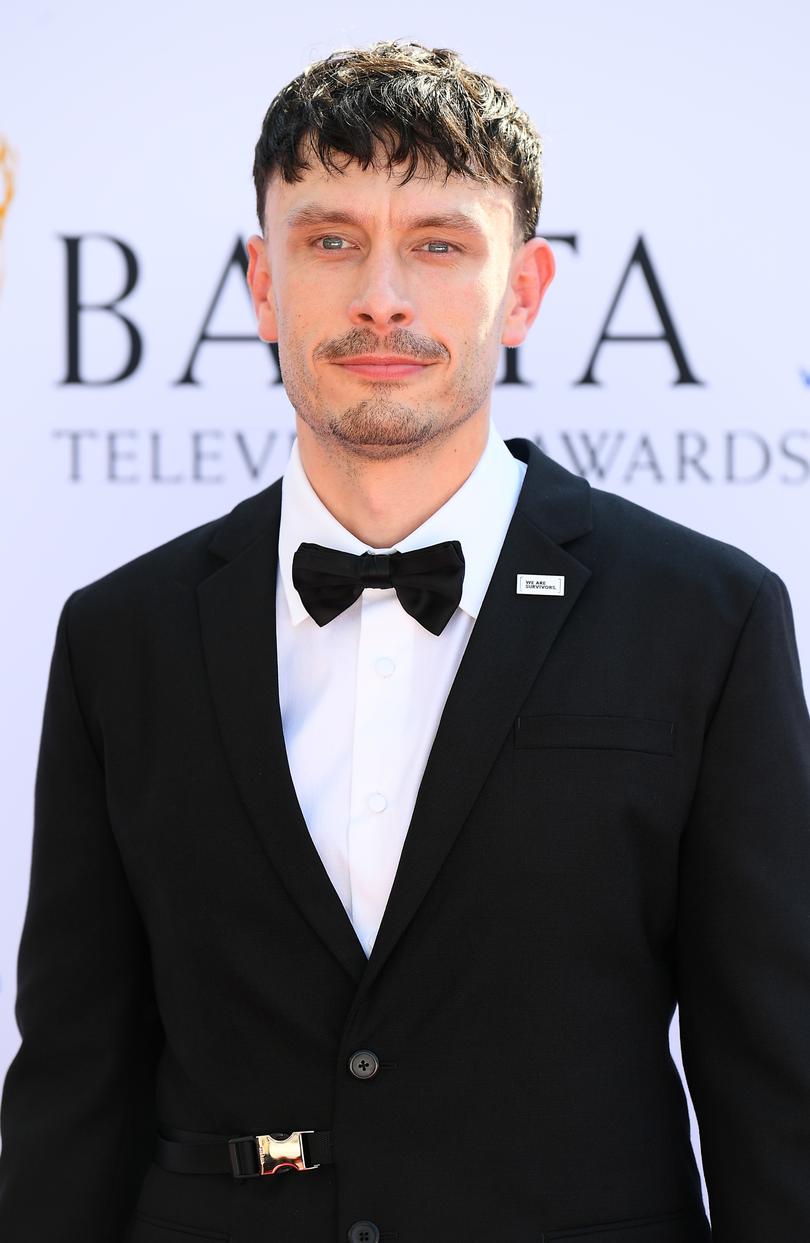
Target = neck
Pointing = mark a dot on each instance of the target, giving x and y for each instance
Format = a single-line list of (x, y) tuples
[(381, 502)]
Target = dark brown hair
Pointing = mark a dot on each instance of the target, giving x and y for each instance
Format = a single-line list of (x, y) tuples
[(417, 102)]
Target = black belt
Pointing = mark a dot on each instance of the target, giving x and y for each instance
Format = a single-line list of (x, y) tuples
[(242, 1156)]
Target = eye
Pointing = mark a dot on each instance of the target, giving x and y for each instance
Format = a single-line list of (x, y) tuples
[(444, 248), (331, 240)]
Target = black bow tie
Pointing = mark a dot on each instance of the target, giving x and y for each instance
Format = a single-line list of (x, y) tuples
[(427, 580)]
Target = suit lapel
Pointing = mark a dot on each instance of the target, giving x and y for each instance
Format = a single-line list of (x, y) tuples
[(237, 608), (509, 642), (508, 645)]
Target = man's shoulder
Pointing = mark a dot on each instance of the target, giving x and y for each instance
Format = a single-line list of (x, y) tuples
[(668, 557), (153, 577), (626, 540)]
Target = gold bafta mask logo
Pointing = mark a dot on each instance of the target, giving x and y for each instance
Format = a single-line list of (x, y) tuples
[(8, 163)]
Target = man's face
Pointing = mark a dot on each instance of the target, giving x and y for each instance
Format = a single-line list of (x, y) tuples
[(355, 266)]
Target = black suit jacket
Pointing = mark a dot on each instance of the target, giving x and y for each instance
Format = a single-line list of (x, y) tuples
[(613, 819)]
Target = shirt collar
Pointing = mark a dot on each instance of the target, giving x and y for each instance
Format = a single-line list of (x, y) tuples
[(478, 514)]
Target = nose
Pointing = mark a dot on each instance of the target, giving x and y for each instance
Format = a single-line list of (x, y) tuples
[(380, 298)]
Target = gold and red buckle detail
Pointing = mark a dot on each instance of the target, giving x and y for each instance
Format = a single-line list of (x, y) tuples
[(281, 1151)]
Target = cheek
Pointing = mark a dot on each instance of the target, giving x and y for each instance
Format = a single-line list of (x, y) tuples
[(481, 300), (305, 293), (300, 315), (468, 300)]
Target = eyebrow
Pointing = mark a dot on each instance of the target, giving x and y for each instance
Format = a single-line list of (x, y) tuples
[(311, 214)]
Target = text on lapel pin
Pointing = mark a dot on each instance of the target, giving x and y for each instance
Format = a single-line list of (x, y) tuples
[(541, 584)]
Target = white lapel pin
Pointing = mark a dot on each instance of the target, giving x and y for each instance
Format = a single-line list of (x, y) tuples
[(541, 584)]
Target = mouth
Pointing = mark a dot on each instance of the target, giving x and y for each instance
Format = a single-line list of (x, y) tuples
[(377, 367)]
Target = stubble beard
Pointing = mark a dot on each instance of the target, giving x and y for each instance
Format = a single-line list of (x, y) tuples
[(381, 427)]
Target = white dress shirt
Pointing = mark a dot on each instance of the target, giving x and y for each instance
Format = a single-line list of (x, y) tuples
[(361, 697)]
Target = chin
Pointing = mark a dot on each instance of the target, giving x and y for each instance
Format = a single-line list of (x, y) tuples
[(375, 451)]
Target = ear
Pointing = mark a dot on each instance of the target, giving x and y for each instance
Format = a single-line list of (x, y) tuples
[(261, 288), (533, 270)]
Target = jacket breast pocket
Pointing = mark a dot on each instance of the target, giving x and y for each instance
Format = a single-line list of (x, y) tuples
[(147, 1229), (685, 1226), (590, 733)]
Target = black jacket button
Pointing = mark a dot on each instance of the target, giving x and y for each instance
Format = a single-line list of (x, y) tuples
[(363, 1065), (363, 1232)]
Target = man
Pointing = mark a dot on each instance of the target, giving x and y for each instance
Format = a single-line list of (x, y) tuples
[(382, 822)]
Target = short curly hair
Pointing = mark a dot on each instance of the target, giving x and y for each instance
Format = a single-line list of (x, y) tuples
[(414, 101)]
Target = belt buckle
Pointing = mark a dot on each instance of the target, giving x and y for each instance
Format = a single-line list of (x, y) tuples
[(282, 1150)]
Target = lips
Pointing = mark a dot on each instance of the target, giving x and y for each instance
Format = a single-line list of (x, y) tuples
[(380, 367)]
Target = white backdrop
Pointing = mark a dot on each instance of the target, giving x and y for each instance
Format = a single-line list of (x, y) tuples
[(676, 184)]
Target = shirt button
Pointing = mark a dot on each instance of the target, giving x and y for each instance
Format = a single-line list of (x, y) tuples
[(384, 666), (377, 802), (363, 1232), (364, 1064)]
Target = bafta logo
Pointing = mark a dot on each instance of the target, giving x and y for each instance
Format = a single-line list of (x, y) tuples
[(7, 168)]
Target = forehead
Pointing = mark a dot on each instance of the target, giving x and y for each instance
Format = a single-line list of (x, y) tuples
[(376, 196)]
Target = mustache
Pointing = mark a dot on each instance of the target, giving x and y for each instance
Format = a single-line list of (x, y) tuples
[(399, 342)]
